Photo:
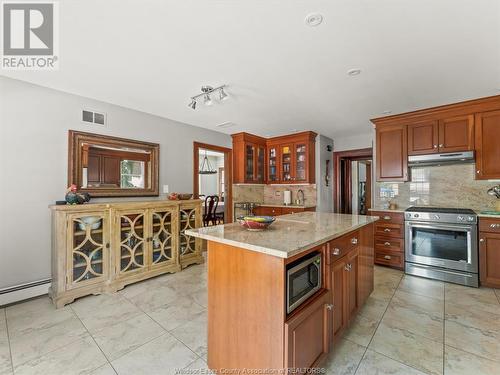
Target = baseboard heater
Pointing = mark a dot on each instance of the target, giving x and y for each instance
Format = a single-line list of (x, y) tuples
[(21, 292)]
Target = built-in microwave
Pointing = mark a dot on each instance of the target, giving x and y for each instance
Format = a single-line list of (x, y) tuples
[(303, 279)]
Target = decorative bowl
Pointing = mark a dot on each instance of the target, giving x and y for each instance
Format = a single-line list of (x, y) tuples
[(184, 196), (255, 223), (93, 221)]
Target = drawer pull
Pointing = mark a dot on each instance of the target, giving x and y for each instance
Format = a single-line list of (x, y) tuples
[(387, 244), (388, 257), (354, 241), (494, 225), (329, 306), (481, 240), (387, 218), (336, 251), (387, 230)]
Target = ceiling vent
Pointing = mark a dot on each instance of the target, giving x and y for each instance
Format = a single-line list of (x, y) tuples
[(92, 117)]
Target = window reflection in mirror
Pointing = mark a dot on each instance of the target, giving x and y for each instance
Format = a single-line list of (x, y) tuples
[(108, 167)]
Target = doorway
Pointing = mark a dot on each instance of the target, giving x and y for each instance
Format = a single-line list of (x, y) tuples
[(353, 181), (215, 179)]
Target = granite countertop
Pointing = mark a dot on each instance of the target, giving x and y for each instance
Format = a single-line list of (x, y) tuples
[(310, 205), (401, 210), (398, 210), (289, 235)]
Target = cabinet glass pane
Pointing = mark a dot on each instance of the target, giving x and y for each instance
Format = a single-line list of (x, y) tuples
[(188, 221), (132, 242), (300, 162), (260, 164), (249, 155), (87, 248), (273, 164), (286, 163), (162, 237)]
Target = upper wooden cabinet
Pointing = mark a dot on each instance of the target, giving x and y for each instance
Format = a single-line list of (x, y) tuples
[(249, 155), (488, 145), (467, 126), (392, 153), (288, 159), (456, 134), (423, 138)]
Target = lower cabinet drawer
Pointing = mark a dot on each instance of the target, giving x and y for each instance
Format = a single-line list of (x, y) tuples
[(389, 230), (267, 211), (389, 244), (389, 258)]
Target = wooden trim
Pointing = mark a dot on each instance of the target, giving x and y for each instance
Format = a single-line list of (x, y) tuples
[(75, 162), (228, 175), (456, 109), (350, 155)]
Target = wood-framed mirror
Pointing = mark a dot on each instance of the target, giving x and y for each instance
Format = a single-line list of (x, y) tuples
[(106, 166)]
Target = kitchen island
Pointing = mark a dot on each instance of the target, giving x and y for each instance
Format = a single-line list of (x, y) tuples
[(250, 323)]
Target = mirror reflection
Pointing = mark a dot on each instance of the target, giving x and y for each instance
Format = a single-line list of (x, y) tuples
[(109, 167)]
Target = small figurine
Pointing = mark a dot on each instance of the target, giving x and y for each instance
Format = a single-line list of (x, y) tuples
[(73, 197)]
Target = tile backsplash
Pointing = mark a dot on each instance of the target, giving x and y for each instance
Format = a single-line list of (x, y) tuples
[(445, 186), (267, 193)]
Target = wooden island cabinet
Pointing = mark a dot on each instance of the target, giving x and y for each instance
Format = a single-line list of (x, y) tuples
[(467, 126), (248, 323)]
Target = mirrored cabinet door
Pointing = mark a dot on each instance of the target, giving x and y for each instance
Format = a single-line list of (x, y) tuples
[(131, 256), (164, 226), (88, 248)]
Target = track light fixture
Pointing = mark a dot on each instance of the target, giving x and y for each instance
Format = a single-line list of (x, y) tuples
[(206, 93)]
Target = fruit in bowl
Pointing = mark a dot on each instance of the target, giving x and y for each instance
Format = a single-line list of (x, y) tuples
[(255, 223)]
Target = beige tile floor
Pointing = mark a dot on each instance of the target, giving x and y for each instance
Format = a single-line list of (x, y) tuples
[(408, 326)]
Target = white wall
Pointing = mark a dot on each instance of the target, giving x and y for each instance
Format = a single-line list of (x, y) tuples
[(364, 140), (324, 194), (34, 123)]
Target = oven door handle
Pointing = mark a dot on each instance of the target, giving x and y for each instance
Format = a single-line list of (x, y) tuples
[(418, 224)]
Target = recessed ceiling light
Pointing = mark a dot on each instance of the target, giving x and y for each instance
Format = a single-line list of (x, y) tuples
[(354, 72), (314, 19), (386, 112)]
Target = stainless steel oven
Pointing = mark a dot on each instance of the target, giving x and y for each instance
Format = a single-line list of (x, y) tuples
[(442, 244), (303, 279)]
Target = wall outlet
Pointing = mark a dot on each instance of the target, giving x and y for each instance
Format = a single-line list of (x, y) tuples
[(278, 193), (165, 189)]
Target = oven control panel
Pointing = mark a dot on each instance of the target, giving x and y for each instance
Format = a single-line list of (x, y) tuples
[(440, 217)]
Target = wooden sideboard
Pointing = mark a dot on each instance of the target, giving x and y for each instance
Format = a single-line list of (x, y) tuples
[(103, 247), (467, 126)]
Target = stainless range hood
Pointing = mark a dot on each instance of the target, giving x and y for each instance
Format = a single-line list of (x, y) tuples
[(441, 159)]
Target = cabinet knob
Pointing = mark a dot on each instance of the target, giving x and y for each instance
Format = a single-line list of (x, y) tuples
[(388, 257), (435, 146), (481, 240), (329, 306), (441, 145), (387, 230), (354, 241), (387, 244), (478, 171), (107, 245), (336, 251), (346, 267)]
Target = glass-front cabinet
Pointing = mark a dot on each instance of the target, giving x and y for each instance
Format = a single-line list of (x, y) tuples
[(131, 256), (286, 163), (300, 168), (163, 226), (88, 249), (272, 164), (249, 161), (260, 165), (189, 247)]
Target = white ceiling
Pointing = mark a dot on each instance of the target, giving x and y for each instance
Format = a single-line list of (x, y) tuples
[(282, 75)]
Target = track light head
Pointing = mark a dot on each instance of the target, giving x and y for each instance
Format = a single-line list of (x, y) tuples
[(192, 105), (222, 94), (207, 100)]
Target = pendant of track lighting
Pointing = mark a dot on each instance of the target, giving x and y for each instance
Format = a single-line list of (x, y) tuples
[(192, 105), (222, 94)]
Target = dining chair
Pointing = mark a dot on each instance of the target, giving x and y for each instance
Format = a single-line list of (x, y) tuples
[(209, 215)]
